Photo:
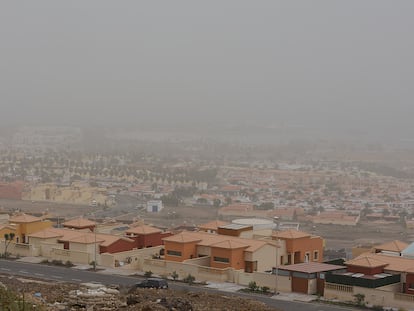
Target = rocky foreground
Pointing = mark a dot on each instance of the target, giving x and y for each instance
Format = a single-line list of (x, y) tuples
[(90, 296)]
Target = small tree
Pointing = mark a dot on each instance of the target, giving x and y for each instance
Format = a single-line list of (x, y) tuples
[(253, 286), (8, 238), (359, 299), (93, 264), (189, 279), (174, 275)]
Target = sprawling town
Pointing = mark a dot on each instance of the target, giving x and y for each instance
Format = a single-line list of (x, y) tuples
[(320, 225)]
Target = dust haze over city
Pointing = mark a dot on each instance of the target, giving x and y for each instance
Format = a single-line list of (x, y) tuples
[(249, 120)]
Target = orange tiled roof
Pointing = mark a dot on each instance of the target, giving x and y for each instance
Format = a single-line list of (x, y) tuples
[(143, 230), (101, 239), (213, 225), (311, 267), (86, 239), (183, 237), (62, 234), (210, 239), (410, 270), (68, 235), (290, 234), (79, 223), (366, 261), (10, 227), (110, 239), (392, 263), (393, 246), (24, 218), (46, 234), (230, 244)]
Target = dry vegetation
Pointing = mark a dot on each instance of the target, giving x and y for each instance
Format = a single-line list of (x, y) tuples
[(59, 296)]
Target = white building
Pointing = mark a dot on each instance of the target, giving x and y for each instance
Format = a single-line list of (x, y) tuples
[(154, 206)]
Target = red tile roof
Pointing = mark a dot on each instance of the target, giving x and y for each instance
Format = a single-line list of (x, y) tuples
[(311, 267), (366, 262), (217, 240), (24, 218), (390, 263), (79, 223), (394, 246), (143, 230), (229, 244), (290, 234), (213, 225)]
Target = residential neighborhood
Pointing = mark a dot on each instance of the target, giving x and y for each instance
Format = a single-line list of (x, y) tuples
[(332, 230), (287, 261)]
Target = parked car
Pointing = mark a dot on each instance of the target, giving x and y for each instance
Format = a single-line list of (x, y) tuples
[(152, 283)]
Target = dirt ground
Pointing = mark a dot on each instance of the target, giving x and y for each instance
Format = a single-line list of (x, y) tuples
[(54, 296), (338, 237)]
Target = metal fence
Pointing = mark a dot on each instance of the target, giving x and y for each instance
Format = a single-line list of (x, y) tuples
[(360, 281)]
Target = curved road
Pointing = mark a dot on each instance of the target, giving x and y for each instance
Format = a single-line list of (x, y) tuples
[(62, 274)]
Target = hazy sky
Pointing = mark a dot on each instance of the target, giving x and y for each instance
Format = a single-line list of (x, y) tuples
[(346, 64)]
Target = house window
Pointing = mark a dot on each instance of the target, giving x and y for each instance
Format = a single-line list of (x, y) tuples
[(173, 253), (307, 256), (221, 259), (411, 286), (315, 256)]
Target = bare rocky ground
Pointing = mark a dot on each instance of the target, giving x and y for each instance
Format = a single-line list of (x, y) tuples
[(68, 297)]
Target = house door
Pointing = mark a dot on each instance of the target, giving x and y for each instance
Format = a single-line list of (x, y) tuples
[(299, 285)]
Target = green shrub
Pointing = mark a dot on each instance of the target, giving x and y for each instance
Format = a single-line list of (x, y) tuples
[(359, 299), (174, 275), (148, 274), (189, 279), (69, 264), (57, 262), (265, 289), (253, 286)]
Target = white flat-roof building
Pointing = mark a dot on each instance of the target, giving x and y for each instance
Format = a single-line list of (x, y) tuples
[(154, 206)]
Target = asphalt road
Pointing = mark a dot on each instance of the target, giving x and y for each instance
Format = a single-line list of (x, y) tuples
[(62, 274)]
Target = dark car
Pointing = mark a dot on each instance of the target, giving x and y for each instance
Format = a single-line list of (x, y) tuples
[(152, 283)]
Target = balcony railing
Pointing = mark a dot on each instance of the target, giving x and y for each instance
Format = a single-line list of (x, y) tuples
[(362, 281), (405, 297)]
